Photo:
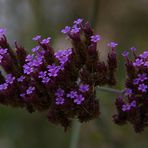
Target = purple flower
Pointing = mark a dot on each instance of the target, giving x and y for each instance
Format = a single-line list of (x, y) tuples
[(28, 69), (126, 107), (138, 62), (42, 74), (142, 88), (78, 21), (59, 101), (84, 87), (36, 38), (75, 29), (29, 57), (22, 95), (112, 44), (66, 30), (136, 81), (125, 54), (2, 32), (133, 49), (128, 92), (95, 38), (59, 92), (20, 79), (144, 55), (79, 99), (9, 78), (46, 41), (45, 80), (62, 55), (30, 90), (3, 86), (35, 48), (3, 51), (53, 72), (142, 77), (133, 104), (72, 94)]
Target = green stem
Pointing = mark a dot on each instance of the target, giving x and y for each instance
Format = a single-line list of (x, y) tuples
[(111, 90), (75, 134)]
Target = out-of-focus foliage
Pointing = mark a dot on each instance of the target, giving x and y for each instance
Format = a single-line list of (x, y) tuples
[(117, 20)]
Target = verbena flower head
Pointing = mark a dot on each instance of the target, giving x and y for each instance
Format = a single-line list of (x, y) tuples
[(62, 82), (132, 106)]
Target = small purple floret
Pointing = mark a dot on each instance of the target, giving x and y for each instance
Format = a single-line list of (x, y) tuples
[(138, 62), (59, 92), (30, 90), (142, 88), (112, 44), (125, 54), (95, 38), (21, 79), (60, 101), (72, 94), (78, 21), (133, 49), (66, 30), (128, 92), (46, 41), (79, 99), (35, 48), (36, 38), (84, 87)]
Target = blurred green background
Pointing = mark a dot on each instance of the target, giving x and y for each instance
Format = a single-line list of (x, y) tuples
[(125, 22)]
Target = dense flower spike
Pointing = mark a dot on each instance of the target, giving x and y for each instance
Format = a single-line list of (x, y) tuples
[(62, 82), (132, 106)]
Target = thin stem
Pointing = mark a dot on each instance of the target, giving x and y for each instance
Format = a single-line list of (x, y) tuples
[(75, 134), (111, 90)]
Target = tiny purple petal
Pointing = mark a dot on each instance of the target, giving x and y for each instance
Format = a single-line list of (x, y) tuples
[(21, 79), (59, 101), (72, 94), (66, 30), (30, 90), (84, 87), (78, 21), (125, 54), (112, 44), (79, 99), (36, 38), (35, 48), (95, 38), (142, 88), (46, 41), (133, 49)]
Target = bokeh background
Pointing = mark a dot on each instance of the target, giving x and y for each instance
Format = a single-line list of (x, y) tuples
[(125, 22)]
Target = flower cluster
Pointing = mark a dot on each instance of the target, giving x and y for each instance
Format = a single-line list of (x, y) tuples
[(132, 106), (61, 82)]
